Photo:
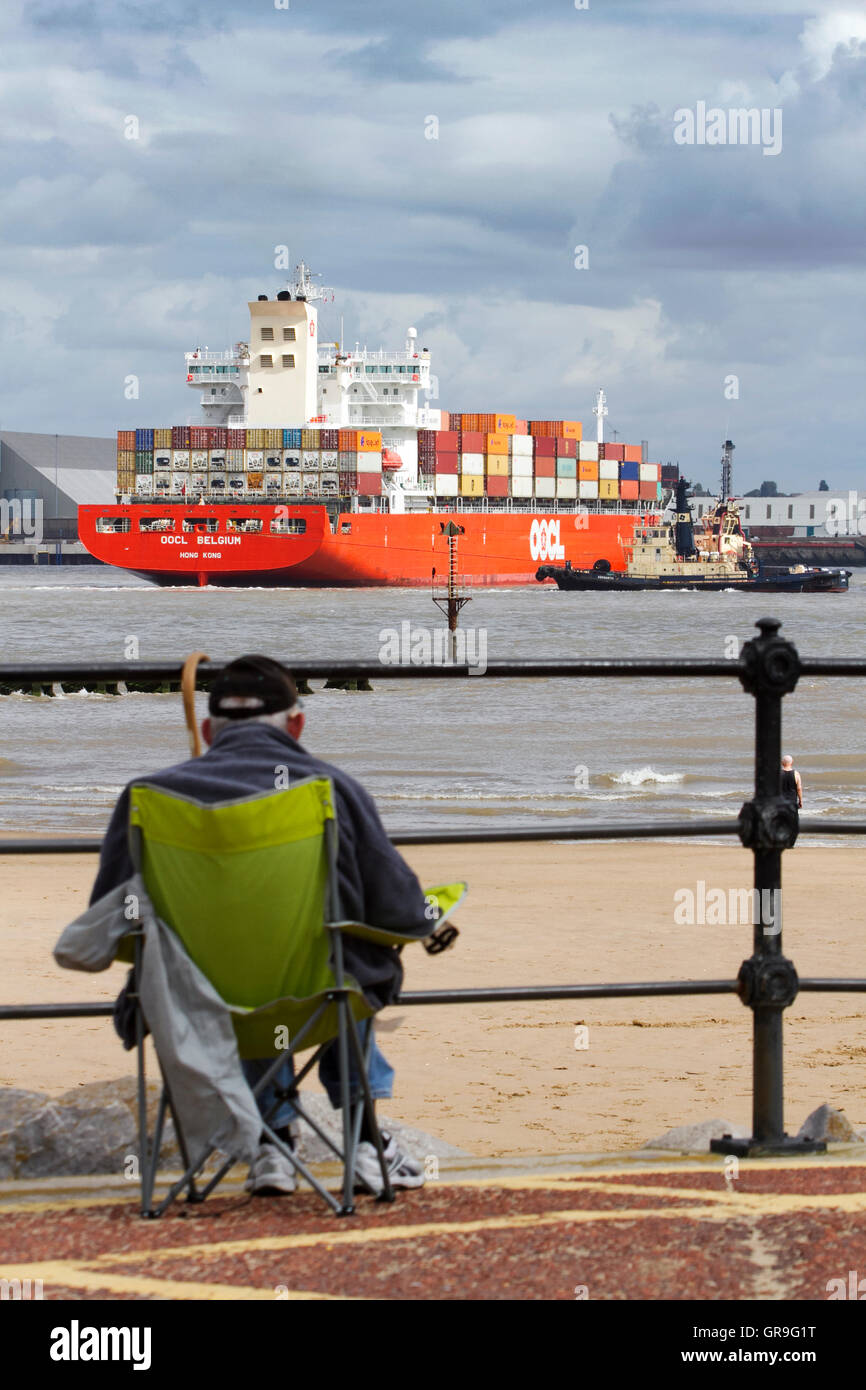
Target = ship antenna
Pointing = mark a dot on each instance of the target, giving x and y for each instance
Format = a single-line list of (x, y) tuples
[(727, 470)]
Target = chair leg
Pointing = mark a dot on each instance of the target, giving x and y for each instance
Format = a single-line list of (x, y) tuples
[(387, 1194), (343, 1013)]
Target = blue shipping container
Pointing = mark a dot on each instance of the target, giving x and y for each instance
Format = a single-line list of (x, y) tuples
[(292, 439), (629, 472)]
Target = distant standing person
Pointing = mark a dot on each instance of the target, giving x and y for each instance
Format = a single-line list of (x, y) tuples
[(792, 785)]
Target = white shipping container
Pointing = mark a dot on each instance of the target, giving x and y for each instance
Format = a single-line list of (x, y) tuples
[(180, 459), (545, 487), (566, 487), (162, 459), (446, 484), (291, 458), (178, 485), (521, 446), (587, 449), (588, 489), (521, 467), (370, 463), (608, 469), (520, 486), (292, 484), (330, 458), (198, 458), (310, 460), (144, 483), (254, 459), (274, 460), (472, 463), (648, 472)]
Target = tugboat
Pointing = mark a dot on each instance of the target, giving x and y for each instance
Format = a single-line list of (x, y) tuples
[(673, 555)]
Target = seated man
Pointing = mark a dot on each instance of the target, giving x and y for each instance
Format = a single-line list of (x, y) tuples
[(253, 729)]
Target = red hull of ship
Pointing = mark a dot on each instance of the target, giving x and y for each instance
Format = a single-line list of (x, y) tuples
[(365, 550)]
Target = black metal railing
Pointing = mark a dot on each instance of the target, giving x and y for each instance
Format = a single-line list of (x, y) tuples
[(767, 983)]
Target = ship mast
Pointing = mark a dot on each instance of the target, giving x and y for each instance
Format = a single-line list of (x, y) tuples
[(727, 471), (302, 287)]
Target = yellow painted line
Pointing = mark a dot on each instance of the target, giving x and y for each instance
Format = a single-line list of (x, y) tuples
[(64, 1204), (66, 1274), (386, 1234)]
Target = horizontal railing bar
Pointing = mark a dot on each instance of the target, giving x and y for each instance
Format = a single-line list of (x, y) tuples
[(841, 666), (500, 995), (605, 830), (24, 1011), (514, 994), (602, 830), (47, 673), (162, 672), (830, 985)]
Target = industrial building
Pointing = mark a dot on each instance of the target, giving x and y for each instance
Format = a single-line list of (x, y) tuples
[(58, 470)]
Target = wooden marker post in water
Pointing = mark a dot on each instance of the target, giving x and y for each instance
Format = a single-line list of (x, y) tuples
[(452, 600)]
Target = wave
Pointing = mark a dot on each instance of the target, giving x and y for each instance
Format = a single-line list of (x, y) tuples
[(637, 777)]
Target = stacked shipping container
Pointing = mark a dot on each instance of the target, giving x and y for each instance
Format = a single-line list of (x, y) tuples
[(484, 455)]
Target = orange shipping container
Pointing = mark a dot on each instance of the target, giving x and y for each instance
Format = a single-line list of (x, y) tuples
[(632, 453), (496, 444), (505, 424), (348, 441), (571, 429), (521, 427), (587, 470), (628, 490), (369, 442)]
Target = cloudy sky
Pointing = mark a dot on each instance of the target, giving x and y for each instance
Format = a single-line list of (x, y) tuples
[(308, 126)]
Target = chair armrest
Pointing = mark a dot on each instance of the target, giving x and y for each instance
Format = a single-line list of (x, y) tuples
[(442, 900)]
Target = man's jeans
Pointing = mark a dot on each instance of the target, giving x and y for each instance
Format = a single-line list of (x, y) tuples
[(380, 1075)]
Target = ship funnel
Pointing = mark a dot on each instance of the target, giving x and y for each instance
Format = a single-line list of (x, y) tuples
[(685, 536)]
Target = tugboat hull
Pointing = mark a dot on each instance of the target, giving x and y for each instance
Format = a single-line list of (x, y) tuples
[(806, 581)]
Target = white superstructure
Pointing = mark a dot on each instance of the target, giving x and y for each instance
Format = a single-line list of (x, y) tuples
[(284, 375)]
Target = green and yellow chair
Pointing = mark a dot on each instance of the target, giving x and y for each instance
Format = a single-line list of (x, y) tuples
[(249, 886)]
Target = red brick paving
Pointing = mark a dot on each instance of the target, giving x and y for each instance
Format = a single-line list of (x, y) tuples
[(664, 1245)]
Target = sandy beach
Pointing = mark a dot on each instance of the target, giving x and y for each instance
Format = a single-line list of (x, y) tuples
[(507, 1078)]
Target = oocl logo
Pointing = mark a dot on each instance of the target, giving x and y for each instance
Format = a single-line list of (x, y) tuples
[(544, 542)]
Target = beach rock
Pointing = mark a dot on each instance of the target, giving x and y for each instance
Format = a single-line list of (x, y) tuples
[(94, 1129), (70, 1134), (829, 1123), (690, 1139)]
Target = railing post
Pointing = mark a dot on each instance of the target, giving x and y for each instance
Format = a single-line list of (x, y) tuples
[(767, 982)]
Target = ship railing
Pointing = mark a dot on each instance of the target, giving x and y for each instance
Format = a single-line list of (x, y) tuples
[(205, 356), (768, 668)]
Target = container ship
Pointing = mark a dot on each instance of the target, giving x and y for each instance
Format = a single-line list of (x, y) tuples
[(359, 489)]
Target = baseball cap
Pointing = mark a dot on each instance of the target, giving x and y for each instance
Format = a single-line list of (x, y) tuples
[(251, 686)]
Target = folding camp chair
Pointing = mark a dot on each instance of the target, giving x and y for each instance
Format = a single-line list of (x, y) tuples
[(249, 886)]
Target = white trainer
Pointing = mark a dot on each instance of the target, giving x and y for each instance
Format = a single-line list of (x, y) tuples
[(271, 1174), (403, 1171)]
